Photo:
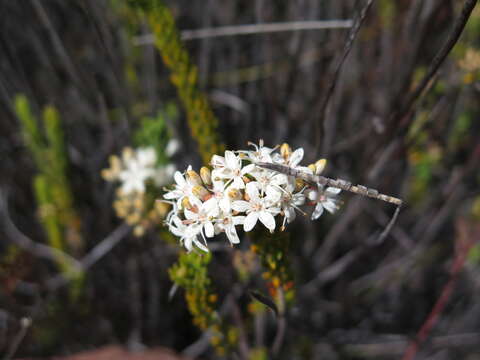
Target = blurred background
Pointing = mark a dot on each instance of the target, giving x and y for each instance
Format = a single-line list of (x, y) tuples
[(81, 80)]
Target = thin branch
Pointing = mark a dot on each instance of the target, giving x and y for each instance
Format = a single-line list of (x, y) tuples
[(251, 29), (333, 82), (24, 242), (93, 256), (24, 325), (439, 58)]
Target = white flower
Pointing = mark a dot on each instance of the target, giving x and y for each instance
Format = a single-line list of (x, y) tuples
[(261, 153), (268, 178), (325, 199), (172, 147), (233, 171), (258, 208), (290, 159), (289, 203), (182, 189), (227, 224), (201, 215), (187, 234), (133, 176), (146, 157), (164, 174)]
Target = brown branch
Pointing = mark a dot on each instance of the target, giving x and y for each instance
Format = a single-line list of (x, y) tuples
[(438, 60), (333, 82)]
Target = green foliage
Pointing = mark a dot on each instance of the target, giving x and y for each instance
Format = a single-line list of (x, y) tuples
[(153, 131), (184, 75), (273, 250), (191, 273), (51, 186)]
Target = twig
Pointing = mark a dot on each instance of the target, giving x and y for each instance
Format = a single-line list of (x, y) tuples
[(93, 256), (439, 59), (281, 324), (442, 301), (23, 241), (250, 29), (333, 82), (24, 325)]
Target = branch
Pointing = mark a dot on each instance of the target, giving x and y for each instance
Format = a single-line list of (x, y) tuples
[(333, 82), (250, 29), (439, 58)]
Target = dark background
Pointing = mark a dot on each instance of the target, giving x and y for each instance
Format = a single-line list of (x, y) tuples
[(355, 298)]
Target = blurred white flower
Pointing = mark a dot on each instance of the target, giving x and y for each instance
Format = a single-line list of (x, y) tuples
[(172, 147), (324, 199), (134, 176)]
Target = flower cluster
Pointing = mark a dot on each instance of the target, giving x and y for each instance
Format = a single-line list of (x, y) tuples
[(136, 170), (236, 191)]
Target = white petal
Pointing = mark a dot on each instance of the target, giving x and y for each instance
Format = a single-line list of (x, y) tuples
[(232, 235), (296, 157), (238, 220), (238, 183), (179, 179), (175, 194), (188, 244), (209, 230), (172, 146), (247, 169), (225, 205), (273, 194), (200, 245), (250, 221), (241, 205), (312, 195), (231, 160), (252, 190), (317, 212), (330, 206), (333, 190), (210, 207), (217, 161), (267, 219)]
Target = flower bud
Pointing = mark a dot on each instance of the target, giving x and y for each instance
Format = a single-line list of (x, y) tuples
[(320, 165), (193, 177), (234, 194), (206, 175), (285, 150), (199, 191), (186, 203)]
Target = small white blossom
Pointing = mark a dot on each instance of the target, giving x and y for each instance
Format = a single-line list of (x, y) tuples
[(187, 234), (258, 208), (182, 189), (233, 171), (324, 199), (134, 176), (261, 153)]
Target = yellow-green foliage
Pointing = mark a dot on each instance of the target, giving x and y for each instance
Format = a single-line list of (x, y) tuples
[(191, 273), (51, 185), (273, 250), (184, 75)]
